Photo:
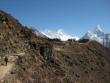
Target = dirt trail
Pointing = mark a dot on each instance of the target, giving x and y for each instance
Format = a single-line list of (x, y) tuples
[(5, 70)]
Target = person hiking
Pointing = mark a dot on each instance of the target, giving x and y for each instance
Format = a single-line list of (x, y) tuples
[(6, 60)]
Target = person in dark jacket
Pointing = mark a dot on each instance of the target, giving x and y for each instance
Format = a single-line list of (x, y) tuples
[(6, 60)]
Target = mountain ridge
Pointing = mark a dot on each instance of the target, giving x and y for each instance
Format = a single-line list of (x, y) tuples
[(60, 34)]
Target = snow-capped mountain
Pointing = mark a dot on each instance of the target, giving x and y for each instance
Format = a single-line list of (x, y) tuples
[(97, 34), (98, 31), (60, 34)]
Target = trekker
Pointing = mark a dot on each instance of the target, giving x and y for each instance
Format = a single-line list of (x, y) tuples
[(6, 60)]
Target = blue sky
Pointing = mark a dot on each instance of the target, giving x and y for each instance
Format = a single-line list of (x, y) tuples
[(73, 16)]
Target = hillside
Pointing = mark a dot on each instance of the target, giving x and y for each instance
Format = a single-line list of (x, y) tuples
[(33, 59)]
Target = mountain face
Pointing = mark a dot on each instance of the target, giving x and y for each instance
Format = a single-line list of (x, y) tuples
[(97, 34), (98, 31), (60, 34), (34, 59)]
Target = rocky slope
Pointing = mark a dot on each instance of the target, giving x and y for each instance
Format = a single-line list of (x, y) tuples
[(33, 59)]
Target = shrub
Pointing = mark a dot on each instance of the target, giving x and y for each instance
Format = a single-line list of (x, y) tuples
[(56, 39), (83, 40), (72, 40)]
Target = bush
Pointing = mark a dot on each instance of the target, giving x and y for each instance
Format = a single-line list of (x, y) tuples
[(71, 40), (83, 40), (56, 39)]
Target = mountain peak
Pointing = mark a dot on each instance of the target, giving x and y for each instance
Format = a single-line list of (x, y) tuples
[(97, 34), (98, 31), (98, 28)]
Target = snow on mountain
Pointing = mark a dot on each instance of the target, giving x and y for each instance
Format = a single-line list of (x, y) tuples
[(38, 33), (60, 34), (97, 34), (98, 31)]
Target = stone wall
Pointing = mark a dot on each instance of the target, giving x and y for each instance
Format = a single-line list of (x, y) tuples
[(47, 52)]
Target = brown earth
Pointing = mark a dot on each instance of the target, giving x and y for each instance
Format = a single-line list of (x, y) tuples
[(69, 62)]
